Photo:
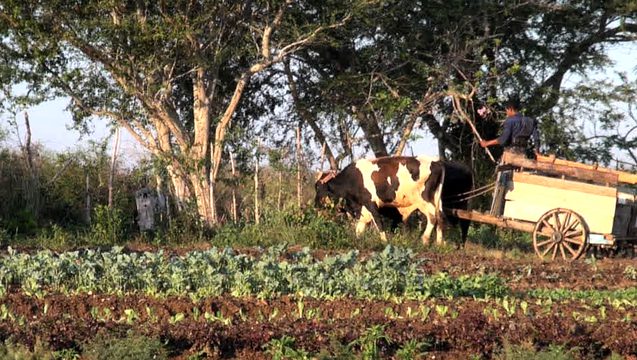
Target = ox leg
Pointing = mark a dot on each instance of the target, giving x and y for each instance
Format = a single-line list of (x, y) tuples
[(431, 223), (369, 213), (440, 226), (363, 219), (434, 220), (464, 228)]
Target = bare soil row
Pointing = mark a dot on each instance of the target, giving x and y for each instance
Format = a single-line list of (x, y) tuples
[(530, 273), (240, 328)]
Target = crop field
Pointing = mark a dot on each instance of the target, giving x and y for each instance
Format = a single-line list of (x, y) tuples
[(297, 303)]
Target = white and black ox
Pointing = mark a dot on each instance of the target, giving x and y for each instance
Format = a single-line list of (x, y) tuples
[(368, 186)]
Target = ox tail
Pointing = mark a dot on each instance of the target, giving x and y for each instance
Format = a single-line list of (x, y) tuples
[(438, 205)]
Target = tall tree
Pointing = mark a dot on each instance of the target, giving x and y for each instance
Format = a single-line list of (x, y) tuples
[(172, 73), (400, 67)]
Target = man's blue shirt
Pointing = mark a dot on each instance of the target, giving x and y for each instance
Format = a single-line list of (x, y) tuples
[(519, 125)]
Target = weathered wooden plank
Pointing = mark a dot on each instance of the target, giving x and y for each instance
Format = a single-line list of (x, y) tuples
[(623, 176), (593, 175), (493, 220)]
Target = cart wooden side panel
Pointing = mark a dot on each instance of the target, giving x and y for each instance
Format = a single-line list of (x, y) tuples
[(623, 176), (584, 173), (529, 196)]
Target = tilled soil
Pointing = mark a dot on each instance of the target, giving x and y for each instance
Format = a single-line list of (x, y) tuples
[(452, 329), (530, 273)]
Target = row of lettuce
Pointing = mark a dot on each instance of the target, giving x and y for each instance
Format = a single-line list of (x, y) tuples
[(394, 273)]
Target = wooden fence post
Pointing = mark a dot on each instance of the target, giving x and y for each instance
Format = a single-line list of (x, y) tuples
[(280, 195), (256, 184), (87, 208), (211, 180), (298, 166), (234, 188), (112, 170), (31, 183)]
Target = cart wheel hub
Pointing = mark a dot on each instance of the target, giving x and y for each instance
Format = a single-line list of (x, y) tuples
[(557, 237)]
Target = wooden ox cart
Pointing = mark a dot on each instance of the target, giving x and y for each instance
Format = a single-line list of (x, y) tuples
[(567, 206)]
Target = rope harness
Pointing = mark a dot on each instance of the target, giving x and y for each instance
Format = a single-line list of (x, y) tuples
[(457, 198)]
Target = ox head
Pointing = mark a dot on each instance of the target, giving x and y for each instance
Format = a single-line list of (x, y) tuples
[(324, 196)]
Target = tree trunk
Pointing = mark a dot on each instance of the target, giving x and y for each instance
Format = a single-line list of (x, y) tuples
[(202, 178), (439, 132), (162, 197), (201, 188), (222, 126), (373, 133), (180, 188), (31, 183), (346, 140)]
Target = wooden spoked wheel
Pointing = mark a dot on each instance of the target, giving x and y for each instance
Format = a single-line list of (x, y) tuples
[(560, 233)]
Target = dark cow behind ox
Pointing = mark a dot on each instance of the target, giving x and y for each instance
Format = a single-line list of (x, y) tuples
[(405, 183), (455, 192)]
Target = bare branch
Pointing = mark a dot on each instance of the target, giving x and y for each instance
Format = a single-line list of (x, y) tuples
[(129, 85), (427, 101), (459, 110), (267, 32), (77, 100), (309, 119)]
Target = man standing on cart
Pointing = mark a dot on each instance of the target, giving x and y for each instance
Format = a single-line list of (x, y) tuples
[(517, 131)]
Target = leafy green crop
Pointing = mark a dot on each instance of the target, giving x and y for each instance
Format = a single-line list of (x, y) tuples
[(390, 274), (626, 296)]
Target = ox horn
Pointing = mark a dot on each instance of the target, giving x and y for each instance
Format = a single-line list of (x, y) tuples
[(325, 176)]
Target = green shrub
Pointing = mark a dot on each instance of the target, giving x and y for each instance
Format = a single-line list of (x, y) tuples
[(22, 222), (10, 351), (131, 347), (107, 227), (290, 226), (369, 342), (412, 350), (283, 348), (185, 226), (503, 239), (55, 237), (5, 237)]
